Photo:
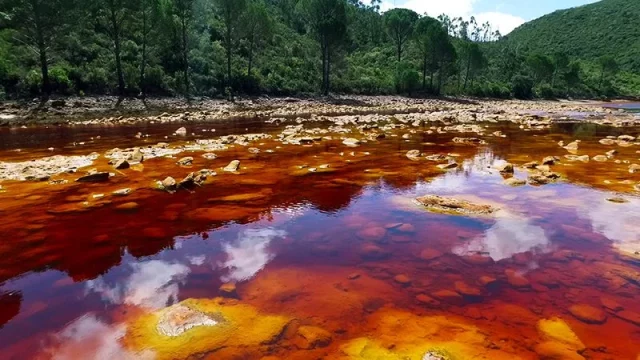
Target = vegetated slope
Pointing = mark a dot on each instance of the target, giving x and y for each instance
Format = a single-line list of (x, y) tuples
[(608, 27)]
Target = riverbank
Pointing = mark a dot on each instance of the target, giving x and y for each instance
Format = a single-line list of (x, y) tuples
[(102, 110)]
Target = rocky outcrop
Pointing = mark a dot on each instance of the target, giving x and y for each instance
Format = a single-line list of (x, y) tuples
[(94, 176), (178, 319), (233, 166), (42, 169), (446, 205), (505, 168), (413, 155)]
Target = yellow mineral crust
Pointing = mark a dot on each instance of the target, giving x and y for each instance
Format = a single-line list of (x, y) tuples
[(560, 341), (557, 330), (231, 325), (405, 336)]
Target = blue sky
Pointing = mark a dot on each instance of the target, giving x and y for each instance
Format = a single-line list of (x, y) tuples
[(504, 15)]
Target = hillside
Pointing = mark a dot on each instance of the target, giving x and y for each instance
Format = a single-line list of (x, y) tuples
[(608, 27)]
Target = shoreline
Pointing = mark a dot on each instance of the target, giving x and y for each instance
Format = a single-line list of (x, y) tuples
[(100, 110)]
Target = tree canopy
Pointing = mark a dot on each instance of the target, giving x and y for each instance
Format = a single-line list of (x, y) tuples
[(220, 47)]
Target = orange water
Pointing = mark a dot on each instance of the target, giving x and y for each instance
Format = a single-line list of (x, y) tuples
[(73, 277)]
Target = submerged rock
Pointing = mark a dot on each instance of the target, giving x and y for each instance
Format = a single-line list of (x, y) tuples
[(557, 330), (228, 290), (588, 314), (515, 182), (451, 165), (454, 206), (181, 131), (373, 233), (312, 337)]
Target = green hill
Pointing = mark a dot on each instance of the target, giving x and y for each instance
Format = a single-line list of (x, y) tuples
[(608, 27)]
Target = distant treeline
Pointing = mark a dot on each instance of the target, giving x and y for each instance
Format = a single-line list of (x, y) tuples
[(282, 47)]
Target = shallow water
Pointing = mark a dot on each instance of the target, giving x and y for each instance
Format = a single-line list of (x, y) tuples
[(78, 279)]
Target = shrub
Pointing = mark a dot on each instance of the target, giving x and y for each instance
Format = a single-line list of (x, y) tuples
[(545, 91), (406, 79), (522, 87), (59, 78), (30, 83)]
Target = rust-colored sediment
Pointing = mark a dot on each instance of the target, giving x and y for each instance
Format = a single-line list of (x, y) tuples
[(361, 272)]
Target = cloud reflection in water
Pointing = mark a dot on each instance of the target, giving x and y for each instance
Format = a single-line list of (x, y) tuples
[(509, 235), (90, 338), (620, 223), (153, 284), (249, 253)]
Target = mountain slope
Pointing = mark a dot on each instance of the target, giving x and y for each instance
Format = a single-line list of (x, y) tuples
[(608, 27)]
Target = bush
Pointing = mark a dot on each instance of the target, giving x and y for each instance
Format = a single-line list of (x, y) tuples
[(30, 83), (60, 82), (522, 87), (545, 91), (406, 78), (96, 80), (156, 81)]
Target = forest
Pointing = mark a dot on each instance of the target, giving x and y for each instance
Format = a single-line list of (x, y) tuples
[(220, 48)]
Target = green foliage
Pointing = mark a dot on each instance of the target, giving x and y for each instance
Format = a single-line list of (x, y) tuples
[(586, 33), (522, 87), (399, 24), (406, 78), (289, 47)]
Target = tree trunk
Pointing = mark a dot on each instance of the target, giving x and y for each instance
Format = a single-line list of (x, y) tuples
[(143, 63), (250, 56), (601, 79), (116, 42), (42, 50), (185, 56), (424, 73), (323, 46), (229, 52), (440, 78), (328, 89), (466, 77)]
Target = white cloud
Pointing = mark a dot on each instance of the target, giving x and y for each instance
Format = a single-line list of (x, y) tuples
[(500, 21), (456, 8), (433, 8)]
